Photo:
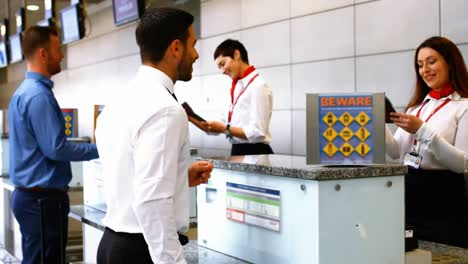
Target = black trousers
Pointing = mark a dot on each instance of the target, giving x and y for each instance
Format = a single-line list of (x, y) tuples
[(436, 206), (251, 149), (123, 248)]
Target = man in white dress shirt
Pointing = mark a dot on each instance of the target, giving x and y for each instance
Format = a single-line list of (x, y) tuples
[(142, 137)]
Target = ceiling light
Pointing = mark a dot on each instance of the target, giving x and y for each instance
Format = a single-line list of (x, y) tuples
[(32, 7)]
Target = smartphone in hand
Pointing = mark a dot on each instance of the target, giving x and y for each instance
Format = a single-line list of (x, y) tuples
[(388, 109), (191, 113)]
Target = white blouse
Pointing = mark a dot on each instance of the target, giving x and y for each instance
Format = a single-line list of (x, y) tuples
[(253, 110), (143, 142), (442, 141)]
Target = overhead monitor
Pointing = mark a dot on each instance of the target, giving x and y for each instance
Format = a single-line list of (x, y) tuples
[(126, 11), (3, 54), (72, 20), (20, 19), (49, 7), (48, 22), (16, 54), (4, 32)]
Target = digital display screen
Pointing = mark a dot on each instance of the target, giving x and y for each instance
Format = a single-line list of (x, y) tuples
[(125, 11), (3, 55), (15, 48), (70, 24)]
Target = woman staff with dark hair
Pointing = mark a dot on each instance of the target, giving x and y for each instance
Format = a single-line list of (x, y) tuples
[(248, 119), (432, 140)]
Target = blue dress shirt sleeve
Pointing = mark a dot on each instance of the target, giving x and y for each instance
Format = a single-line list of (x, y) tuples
[(46, 121)]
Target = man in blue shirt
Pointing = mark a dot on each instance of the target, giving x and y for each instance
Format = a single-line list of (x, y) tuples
[(40, 154)]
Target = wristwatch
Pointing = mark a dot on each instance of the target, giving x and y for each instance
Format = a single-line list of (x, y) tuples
[(227, 132)]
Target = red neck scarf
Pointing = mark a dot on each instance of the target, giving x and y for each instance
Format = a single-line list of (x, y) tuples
[(445, 91), (234, 82)]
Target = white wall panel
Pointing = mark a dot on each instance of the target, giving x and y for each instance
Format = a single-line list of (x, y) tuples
[(303, 7), (215, 94), (391, 25), (298, 132), (335, 76), (464, 51), (220, 16), (323, 36), (255, 12), (190, 92), (280, 130), (454, 20), (279, 79), (267, 45), (390, 73)]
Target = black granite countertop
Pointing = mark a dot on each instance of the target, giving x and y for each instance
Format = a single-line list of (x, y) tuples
[(194, 253), (296, 167)]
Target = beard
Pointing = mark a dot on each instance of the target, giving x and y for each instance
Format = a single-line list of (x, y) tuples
[(54, 68), (185, 69)]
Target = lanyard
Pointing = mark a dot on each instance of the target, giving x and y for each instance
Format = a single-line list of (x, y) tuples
[(429, 117), (233, 103)]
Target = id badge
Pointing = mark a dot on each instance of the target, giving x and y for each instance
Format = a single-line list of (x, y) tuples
[(412, 159)]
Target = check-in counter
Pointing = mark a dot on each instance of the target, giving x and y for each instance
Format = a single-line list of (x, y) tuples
[(276, 209)]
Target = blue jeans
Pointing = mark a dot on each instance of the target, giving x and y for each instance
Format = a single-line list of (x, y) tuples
[(52, 237)]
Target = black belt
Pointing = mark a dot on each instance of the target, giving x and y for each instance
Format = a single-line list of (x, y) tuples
[(251, 149), (40, 189)]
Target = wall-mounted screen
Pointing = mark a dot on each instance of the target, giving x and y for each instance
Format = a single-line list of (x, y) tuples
[(72, 23), (46, 22), (126, 11), (3, 55), (16, 54)]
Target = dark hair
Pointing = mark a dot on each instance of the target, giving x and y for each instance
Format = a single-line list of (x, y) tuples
[(227, 48), (36, 37), (458, 74), (158, 28)]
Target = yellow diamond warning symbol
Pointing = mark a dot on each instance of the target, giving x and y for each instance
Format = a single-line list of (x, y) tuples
[(362, 118), (346, 149), (67, 125), (362, 149), (362, 133), (330, 134), (67, 118), (346, 119), (67, 132), (330, 149), (329, 119), (346, 134)]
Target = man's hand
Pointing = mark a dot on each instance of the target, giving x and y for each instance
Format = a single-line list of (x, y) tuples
[(216, 127), (199, 172)]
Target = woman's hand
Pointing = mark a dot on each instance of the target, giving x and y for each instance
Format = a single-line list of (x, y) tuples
[(216, 127), (409, 123)]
